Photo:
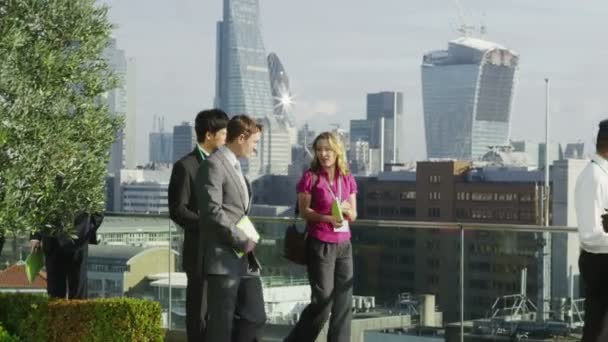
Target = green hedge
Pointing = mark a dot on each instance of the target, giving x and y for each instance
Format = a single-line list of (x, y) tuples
[(5, 336), (16, 308), (115, 319)]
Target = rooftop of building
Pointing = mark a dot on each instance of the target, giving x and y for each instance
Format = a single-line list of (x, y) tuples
[(476, 43), (113, 252), (136, 224), (14, 277)]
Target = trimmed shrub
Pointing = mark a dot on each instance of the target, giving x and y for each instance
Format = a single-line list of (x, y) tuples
[(112, 319), (5, 336), (16, 308)]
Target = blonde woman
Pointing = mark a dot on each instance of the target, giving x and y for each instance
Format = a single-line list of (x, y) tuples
[(329, 251)]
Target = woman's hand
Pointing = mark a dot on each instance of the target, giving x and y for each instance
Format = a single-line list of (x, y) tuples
[(347, 209), (332, 220)]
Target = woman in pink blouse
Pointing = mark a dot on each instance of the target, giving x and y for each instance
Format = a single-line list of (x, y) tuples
[(329, 251)]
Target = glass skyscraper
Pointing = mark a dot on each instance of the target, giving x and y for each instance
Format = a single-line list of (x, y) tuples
[(184, 140), (467, 93), (243, 80), (387, 105), (117, 104), (279, 82)]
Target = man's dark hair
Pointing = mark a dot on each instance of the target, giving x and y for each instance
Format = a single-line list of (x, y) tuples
[(601, 144), (242, 124), (209, 121)]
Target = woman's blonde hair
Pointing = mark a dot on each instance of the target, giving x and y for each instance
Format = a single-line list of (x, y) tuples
[(335, 145)]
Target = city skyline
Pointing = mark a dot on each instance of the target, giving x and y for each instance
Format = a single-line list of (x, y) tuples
[(384, 52)]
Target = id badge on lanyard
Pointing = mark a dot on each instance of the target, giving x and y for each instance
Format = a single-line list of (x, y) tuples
[(337, 200)]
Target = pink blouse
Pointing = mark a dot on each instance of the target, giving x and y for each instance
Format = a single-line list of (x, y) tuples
[(321, 200)]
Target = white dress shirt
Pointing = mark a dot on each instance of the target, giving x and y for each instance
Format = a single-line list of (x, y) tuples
[(591, 202), (233, 160)]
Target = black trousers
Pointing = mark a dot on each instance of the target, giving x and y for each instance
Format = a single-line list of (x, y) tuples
[(236, 309), (196, 306), (67, 272), (330, 272), (595, 284)]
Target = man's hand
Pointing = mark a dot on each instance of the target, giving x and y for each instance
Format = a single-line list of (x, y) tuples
[(36, 246)]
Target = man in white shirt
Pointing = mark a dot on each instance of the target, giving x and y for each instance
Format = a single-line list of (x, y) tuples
[(591, 201)]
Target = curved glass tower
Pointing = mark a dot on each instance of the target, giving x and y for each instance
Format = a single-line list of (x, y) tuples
[(467, 93), (279, 83)]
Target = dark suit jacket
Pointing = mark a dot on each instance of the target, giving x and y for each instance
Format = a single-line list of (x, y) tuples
[(183, 208), (222, 203), (85, 229)]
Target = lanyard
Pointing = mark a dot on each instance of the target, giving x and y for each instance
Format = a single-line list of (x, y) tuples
[(339, 197)]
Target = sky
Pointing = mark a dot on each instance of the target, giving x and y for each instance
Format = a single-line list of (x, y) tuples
[(337, 51)]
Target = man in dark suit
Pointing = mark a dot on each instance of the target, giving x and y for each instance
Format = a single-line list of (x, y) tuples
[(210, 127), (236, 303), (66, 257)]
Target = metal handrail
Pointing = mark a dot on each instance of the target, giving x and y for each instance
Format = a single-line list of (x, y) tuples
[(473, 226)]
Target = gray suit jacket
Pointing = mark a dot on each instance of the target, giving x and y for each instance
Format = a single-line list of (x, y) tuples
[(221, 200)]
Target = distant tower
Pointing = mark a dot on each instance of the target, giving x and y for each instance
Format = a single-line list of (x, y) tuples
[(467, 93), (242, 77), (279, 83)]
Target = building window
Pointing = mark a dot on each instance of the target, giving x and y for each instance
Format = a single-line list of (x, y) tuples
[(434, 196), (407, 212), (527, 197), (434, 212), (372, 210), (373, 195), (433, 263), (482, 196), (388, 211), (433, 279), (434, 179), (408, 195), (462, 213)]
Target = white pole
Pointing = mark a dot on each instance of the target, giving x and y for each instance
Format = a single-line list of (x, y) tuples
[(547, 167)]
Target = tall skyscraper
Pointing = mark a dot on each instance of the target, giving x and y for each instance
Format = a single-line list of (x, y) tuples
[(121, 102), (574, 151), (467, 93), (161, 147), (274, 150), (130, 120), (160, 143), (242, 77), (384, 134), (360, 130), (117, 103), (184, 140)]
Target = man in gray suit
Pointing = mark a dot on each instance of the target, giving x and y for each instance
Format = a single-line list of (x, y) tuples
[(235, 299)]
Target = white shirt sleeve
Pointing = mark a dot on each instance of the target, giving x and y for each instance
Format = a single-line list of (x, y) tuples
[(591, 202)]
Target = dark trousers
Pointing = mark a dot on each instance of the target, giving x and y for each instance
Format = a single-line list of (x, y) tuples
[(196, 306), (235, 309), (67, 272), (595, 285), (330, 272)]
